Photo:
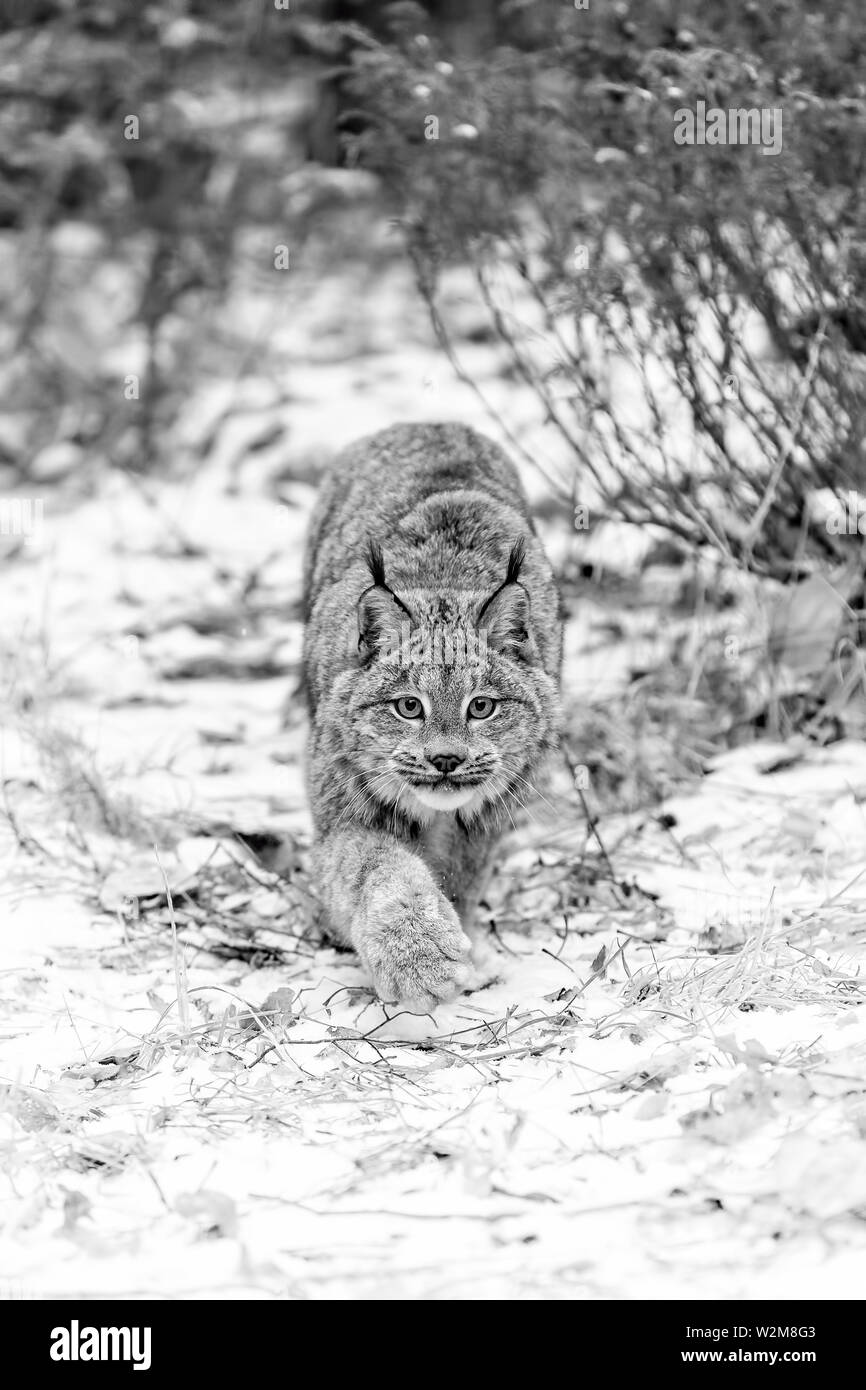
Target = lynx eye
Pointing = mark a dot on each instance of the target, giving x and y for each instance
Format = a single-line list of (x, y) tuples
[(408, 707), (481, 707)]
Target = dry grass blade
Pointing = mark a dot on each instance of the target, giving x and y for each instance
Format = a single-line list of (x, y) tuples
[(180, 976)]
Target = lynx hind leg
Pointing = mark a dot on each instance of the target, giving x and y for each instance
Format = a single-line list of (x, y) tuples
[(410, 937)]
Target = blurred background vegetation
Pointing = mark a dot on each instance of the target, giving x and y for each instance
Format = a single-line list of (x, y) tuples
[(690, 322)]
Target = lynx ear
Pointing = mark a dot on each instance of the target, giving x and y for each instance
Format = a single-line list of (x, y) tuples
[(381, 614), (505, 615)]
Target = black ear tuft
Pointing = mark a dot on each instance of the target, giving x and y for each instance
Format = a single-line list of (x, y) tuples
[(515, 561), (382, 616), (505, 616), (512, 575), (376, 563)]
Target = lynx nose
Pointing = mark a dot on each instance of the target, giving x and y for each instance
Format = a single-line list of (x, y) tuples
[(445, 762)]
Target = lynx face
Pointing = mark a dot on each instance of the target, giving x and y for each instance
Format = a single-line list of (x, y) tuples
[(448, 711), (438, 738)]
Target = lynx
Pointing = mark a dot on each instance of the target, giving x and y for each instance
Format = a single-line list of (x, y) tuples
[(431, 663)]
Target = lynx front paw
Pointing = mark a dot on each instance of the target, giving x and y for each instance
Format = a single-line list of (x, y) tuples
[(414, 947)]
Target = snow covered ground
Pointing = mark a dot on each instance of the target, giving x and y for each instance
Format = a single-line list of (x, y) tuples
[(658, 1090)]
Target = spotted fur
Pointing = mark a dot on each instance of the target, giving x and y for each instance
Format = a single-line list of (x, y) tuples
[(425, 580)]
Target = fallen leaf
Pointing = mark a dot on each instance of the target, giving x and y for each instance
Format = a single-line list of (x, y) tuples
[(807, 624), (822, 1177), (214, 1213)]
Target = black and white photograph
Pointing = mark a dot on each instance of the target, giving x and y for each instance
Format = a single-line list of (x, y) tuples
[(433, 661)]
